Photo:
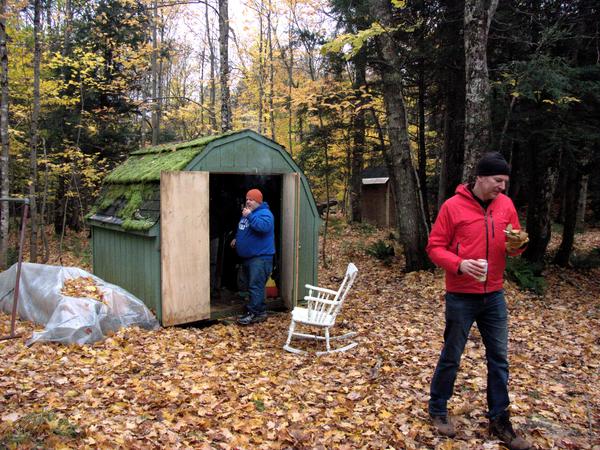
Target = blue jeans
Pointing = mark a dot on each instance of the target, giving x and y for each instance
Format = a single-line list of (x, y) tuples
[(489, 311), (258, 270)]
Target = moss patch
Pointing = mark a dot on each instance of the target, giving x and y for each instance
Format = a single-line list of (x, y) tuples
[(135, 183), (147, 167), (176, 146), (131, 198)]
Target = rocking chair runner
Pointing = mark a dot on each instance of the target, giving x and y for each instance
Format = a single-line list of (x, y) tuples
[(323, 306)]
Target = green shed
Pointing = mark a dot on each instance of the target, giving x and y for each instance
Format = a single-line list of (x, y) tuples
[(164, 220)]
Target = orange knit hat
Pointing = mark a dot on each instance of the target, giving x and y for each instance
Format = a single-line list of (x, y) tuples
[(255, 194)]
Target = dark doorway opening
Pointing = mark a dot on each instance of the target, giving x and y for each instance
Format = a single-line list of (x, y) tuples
[(227, 197)]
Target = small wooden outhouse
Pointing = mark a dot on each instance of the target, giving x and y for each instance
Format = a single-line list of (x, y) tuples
[(378, 204), (165, 218)]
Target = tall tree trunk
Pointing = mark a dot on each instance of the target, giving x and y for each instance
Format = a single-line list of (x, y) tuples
[(202, 89), (453, 91), (290, 84), (35, 117), (261, 72), (410, 221), (5, 180), (358, 137), (581, 207), (571, 203), (154, 69), (224, 64), (271, 71), (544, 168), (212, 115), (478, 17), (422, 172)]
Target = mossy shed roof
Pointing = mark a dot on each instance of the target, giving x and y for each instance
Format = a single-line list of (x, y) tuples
[(130, 196)]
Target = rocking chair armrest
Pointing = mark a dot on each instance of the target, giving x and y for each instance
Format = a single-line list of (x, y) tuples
[(320, 289), (309, 298)]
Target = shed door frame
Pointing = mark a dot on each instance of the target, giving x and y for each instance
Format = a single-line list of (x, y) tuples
[(185, 247), (290, 217)]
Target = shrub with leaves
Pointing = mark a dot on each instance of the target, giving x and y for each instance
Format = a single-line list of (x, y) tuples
[(526, 275), (382, 251)]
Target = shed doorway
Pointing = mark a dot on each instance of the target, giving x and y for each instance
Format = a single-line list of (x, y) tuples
[(199, 267), (227, 198)]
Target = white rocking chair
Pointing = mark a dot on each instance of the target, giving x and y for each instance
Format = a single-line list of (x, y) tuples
[(323, 306)]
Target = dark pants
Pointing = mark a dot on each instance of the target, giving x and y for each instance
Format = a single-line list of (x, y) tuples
[(257, 270), (489, 311)]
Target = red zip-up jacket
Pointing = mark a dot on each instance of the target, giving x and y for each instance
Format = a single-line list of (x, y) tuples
[(465, 230)]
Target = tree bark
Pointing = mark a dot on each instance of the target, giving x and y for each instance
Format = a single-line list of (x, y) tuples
[(224, 65), (422, 171), (154, 69), (453, 92), (544, 168), (271, 69), (35, 117), (358, 137), (5, 180), (477, 20), (581, 207), (411, 224), (571, 203), (212, 115), (261, 72)]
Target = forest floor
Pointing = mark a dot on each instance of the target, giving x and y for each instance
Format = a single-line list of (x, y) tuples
[(226, 386)]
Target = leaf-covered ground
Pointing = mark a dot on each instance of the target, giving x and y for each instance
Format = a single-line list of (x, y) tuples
[(226, 386)]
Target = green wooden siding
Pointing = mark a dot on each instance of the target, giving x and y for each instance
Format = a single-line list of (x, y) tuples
[(130, 261)]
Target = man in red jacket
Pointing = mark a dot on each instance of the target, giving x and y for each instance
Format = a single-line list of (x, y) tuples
[(469, 240)]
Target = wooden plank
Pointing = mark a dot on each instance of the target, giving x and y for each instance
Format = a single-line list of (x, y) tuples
[(289, 239), (185, 263)]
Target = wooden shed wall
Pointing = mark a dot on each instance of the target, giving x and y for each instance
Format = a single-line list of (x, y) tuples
[(377, 205), (130, 261)]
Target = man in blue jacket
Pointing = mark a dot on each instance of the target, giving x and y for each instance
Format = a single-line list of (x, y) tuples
[(255, 244)]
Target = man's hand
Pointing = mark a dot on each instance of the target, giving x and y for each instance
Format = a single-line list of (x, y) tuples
[(232, 244), (515, 239), (473, 267), (246, 211)]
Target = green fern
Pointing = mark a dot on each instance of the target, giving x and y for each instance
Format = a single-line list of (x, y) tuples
[(526, 275)]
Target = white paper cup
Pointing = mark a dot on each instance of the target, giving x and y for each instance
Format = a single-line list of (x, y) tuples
[(484, 276)]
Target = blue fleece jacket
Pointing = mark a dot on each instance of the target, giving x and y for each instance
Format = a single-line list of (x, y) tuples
[(255, 235)]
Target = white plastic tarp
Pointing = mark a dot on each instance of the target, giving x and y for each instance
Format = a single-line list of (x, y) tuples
[(70, 320)]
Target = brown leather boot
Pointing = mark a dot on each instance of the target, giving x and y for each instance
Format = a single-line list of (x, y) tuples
[(443, 425), (502, 429)]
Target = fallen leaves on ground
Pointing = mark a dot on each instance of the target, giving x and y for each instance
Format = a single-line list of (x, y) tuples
[(225, 386)]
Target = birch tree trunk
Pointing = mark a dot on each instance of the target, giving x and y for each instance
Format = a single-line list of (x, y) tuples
[(409, 218), (224, 64), (35, 117), (477, 20), (5, 181)]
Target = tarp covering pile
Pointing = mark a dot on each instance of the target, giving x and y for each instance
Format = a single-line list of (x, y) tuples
[(44, 300)]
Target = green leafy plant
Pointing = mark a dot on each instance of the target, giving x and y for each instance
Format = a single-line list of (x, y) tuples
[(526, 275), (382, 251)]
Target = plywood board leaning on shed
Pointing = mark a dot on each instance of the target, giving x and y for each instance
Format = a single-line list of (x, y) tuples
[(290, 230), (185, 267)]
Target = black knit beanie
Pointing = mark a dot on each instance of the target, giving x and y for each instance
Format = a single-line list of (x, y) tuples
[(492, 163)]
